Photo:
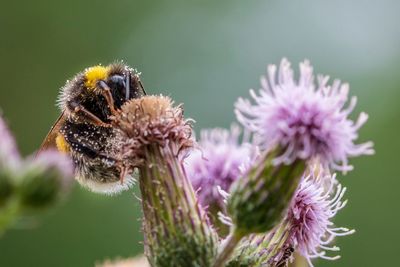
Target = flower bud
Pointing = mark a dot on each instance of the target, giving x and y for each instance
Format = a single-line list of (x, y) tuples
[(45, 179), (259, 200)]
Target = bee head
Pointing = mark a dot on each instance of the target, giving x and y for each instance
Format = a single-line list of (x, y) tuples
[(119, 84), (118, 78)]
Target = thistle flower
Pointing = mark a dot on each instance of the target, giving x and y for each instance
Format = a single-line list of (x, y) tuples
[(176, 228), (307, 227), (306, 120), (45, 178), (152, 120), (218, 162), (295, 123), (35, 182), (309, 218)]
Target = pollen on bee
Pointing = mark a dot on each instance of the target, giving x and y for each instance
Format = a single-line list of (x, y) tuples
[(94, 74), (62, 144)]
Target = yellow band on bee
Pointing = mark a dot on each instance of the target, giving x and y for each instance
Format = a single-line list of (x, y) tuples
[(94, 74), (62, 144)]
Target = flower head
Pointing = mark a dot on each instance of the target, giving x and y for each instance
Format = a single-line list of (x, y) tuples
[(38, 180), (305, 119), (217, 163), (153, 120), (46, 178), (309, 219), (307, 227), (176, 228), (52, 160)]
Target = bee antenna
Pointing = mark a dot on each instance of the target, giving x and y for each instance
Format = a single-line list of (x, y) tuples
[(127, 84)]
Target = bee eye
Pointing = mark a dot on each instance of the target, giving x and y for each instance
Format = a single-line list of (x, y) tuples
[(117, 82)]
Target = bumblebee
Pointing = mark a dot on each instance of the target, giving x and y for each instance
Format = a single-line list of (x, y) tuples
[(84, 130)]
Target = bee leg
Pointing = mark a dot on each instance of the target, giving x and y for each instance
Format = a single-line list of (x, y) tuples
[(106, 92), (123, 170), (123, 173), (93, 154), (80, 110)]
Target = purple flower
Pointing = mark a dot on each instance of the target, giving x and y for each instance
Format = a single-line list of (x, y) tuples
[(38, 179), (309, 219), (10, 157), (53, 160), (218, 163), (306, 120)]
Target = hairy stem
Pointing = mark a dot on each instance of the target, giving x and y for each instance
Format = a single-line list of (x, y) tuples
[(176, 228), (228, 247)]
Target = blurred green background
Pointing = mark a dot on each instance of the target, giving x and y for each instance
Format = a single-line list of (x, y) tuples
[(205, 54)]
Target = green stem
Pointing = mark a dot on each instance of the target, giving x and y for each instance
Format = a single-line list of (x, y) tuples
[(230, 243), (9, 214), (175, 227)]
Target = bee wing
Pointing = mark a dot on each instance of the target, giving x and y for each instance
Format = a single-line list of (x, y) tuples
[(50, 140)]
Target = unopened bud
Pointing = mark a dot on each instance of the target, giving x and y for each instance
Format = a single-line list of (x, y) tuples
[(45, 180), (259, 200)]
